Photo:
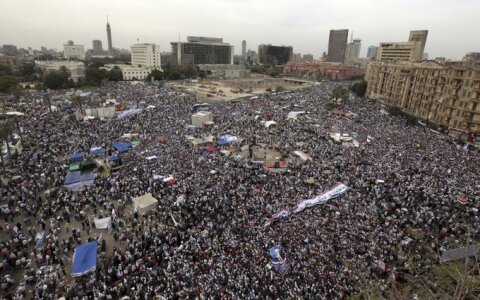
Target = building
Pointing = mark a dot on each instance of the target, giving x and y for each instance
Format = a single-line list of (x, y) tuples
[(323, 70), (472, 57), (130, 72), (109, 39), (97, 47), (76, 69), (400, 51), (296, 57), (146, 55), (72, 51), (252, 57), (202, 50), (337, 45), (9, 50), (372, 52), (308, 57), (425, 56), (274, 55), (353, 50), (244, 49), (419, 37), (445, 94)]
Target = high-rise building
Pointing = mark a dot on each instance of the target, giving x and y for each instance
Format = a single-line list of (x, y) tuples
[(146, 55), (10, 50), (353, 50), (446, 94), (308, 57), (396, 51), (252, 57), (274, 55), (202, 50), (109, 38), (372, 52), (472, 57), (337, 45), (419, 37), (97, 47), (244, 49), (72, 51)]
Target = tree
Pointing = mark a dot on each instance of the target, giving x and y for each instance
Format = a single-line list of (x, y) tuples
[(279, 89), (56, 80), (5, 70), (94, 75), (8, 83), (339, 93), (359, 88), (115, 74), (156, 75), (27, 71)]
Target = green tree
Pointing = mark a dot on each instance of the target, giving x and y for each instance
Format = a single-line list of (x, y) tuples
[(94, 75), (5, 70), (339, 93), (27, 71), (56, 80), (156, 75), (359, 88), (279, 89), (115, 74), (174, 75), (8, 83)]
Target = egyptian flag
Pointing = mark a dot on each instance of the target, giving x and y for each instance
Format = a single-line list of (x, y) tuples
[(462, 199)]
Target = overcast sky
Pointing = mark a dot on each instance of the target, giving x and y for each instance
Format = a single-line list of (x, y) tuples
[(454, 25)]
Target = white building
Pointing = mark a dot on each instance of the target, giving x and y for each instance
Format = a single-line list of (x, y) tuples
[(75, 68), (130, 72), (72, 51), (146, 55)]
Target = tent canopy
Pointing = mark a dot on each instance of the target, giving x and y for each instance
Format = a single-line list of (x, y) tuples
[(227, 139), (84, 259), (145, 203), (122, 146), (77, 155), (77, 176), (97, 150)]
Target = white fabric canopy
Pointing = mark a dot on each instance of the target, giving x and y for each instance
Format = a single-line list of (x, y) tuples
[(144, 203)]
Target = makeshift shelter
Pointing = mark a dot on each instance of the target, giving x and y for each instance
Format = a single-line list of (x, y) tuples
[(122, 146), (293, 115), (227, 139), (129, 113), (161, 139), (84, 259), (74, 166), (97, 151), (269, 123), (202, 117), (302, 155), (460, 253), (145, 203), (210, 148), (76, 180), (78, 156), (87, 164)]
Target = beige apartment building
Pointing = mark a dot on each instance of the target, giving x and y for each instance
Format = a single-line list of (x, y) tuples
[(445, 94), (401, 51)]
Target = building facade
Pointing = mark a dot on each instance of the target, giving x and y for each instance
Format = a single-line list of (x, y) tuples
[(324, 70), (445, 94), (9, 50), (308, 57), (146, 55), (337, 45), (244, 49), (72, 51), (372, 52), (202, 50), (76, 69), (225, 71), (130, 72), (419, 37), (395, 51), (353, 51), (97, 47), (274, 55)]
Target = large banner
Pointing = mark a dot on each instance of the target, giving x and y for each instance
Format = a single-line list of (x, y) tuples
[(104, 223), (331, 193)]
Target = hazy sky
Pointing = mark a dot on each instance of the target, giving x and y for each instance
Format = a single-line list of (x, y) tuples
[(454, 25)]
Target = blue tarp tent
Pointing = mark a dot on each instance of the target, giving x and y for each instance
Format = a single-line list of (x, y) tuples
[(113, 158), (77, 156), (76, 180), (84, 259), (129, 113), (227, 139), (121, 146), (97, 151)]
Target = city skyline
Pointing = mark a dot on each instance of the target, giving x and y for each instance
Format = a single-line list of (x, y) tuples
[(267, 22)]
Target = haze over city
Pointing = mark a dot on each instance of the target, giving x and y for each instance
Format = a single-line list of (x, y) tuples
[(304, 24)]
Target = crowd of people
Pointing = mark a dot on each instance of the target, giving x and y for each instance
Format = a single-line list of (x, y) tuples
[(404, 184)]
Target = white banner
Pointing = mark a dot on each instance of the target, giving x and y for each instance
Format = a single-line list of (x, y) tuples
[(104, 223), (331, 193)]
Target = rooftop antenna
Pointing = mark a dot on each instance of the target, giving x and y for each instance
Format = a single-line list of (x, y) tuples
[(107, 18)]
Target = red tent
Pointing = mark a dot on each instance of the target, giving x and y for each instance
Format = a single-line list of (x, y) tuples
[(210, 148)]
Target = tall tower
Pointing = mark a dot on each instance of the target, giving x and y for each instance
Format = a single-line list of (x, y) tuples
[(109, 37), (337, 45), (244, 49)]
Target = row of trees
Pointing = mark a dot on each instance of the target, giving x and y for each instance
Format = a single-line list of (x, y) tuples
[(176, 73)]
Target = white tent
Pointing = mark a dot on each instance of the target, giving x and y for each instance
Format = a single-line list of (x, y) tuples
[(201, 118), (103, 223), (144, 203)]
